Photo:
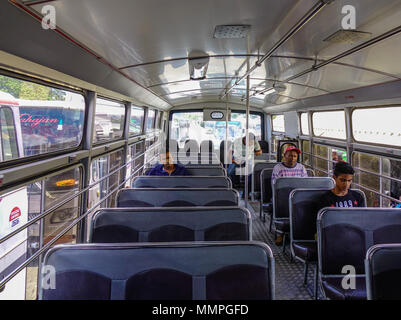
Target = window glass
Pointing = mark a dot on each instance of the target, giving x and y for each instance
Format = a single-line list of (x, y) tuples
[(109, 120), (278, 123), (379, 177), (51, 119), (137, 115), (306, 153), (150, 120), (190, 125), (58, 188), (8, 134), (304, 124), (330, 124), (377, 125)]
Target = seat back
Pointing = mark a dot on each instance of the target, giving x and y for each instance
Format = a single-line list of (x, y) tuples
[(180, 182), (191, 147), (266, 192), (207, 171), (383, 272), (226, 158), (119, 225), (257, 170), (173, 271), (283, 187), (176, 197), (206, 147), (303, 213), (264, 145), (345, 234)]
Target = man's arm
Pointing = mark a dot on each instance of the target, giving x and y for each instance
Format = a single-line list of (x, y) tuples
[(275, 174), (258, 149)]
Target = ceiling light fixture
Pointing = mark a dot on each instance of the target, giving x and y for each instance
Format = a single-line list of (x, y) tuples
[(198, 68)]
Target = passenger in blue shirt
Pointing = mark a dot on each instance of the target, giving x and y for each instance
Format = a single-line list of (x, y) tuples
[(167, 167)]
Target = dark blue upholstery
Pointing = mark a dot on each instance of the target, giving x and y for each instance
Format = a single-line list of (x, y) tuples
[(383, 272), (219, 271), (120, 225), (159, 284), (180, 182), (162, 197), (257, 170), (281, 192), (344, 236), (79, 285)]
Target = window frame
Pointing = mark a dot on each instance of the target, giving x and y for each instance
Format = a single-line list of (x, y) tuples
[(152, 129), (274, 132), (261, 114), (130, 135), (365, 142), (101, 142), (312, 129), (48, 155), (15, 134)]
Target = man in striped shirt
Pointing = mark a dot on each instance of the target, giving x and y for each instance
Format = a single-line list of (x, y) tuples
[(289, 167)]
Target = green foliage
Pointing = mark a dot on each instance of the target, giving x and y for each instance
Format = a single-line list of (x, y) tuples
[(33, 91), (10, 85)]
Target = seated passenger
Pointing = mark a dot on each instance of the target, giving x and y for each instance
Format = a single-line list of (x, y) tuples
[(289, 167), (167, 167), (239, 153), (340, 196)]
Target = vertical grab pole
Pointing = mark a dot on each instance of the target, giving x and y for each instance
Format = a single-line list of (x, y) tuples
[(247, 141)]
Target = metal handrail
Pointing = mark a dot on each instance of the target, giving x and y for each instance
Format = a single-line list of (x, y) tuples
[(58, 205), (57, 237)]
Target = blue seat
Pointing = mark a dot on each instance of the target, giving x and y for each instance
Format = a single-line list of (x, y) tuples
[(303, 206), (281, 192), (176, 197), (344, 236), (257, 170), (174, 271), (119, 225), (180, 182), (383, 272)]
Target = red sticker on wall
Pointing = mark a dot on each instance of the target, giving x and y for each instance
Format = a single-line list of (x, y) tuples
[(15, 213)]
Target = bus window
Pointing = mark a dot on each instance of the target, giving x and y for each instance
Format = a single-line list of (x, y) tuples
[(330, 124), (306, 153), (109, 120), (278, 123), (150, 120), (56, 189), (136, 121), (190, 125), (8, 134), (51, 119), (377, 125), (304, 124)]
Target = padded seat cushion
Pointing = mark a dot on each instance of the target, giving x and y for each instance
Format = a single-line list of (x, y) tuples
[(79, 285), (114, 234), (305, 250), (159, 284), (228, 283), (282, 225), (334, 290)]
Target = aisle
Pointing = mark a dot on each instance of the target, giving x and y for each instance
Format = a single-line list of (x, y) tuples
[(289, 276)]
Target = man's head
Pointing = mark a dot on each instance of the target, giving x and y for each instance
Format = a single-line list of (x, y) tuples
[(334, 156), (251, 138), (166, 158), (291, 156), (343, 175)]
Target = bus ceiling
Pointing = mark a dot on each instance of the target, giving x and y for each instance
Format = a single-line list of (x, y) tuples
[(294, 57)]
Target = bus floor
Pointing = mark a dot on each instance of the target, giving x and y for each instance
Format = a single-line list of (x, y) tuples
[(288, 275)]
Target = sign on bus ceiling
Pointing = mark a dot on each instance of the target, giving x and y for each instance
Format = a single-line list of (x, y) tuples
[(217, 115)]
